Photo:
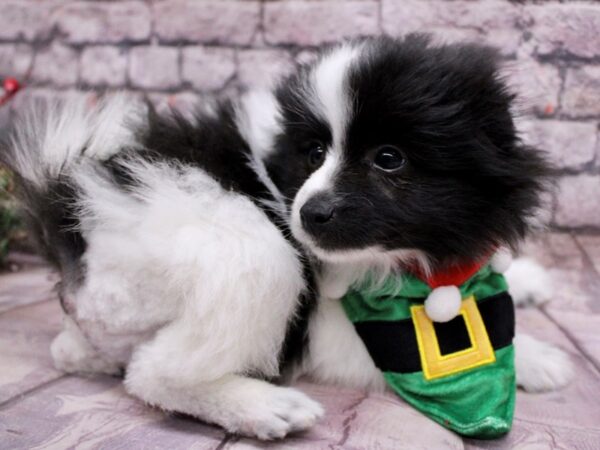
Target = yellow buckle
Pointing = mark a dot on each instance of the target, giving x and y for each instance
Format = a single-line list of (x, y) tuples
[(435, 365)]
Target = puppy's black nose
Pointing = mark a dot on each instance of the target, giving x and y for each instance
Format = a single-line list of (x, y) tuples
[(316, 211)]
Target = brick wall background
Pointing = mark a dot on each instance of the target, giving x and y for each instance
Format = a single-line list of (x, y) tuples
[(177, 50)]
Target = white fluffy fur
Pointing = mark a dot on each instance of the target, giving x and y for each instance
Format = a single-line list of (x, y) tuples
[(540, 366), (259, 120), (62, 132), (528, 282), (501, 260), (336, 354), (71, 351), (183, 238), (340, 270), (329, 79), (187, 285)]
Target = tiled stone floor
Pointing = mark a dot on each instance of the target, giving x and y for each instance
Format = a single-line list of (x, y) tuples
[(42, 408)]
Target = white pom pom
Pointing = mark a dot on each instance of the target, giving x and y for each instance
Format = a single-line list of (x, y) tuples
[(443, 304), (501, 260)]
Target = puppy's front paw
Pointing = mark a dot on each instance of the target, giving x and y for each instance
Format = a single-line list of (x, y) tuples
[(528, 282), (540, 366), (278, 411)]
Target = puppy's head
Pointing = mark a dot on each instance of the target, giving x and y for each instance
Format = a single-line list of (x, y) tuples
[(393, 145)]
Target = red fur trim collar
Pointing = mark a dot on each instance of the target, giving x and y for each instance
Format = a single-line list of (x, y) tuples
[(452, 276)]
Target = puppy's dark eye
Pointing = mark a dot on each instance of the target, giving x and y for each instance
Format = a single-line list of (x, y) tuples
[(388, 158), (316, 155)]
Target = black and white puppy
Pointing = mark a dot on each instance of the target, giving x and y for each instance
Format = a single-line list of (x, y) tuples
[(170, 232), (401, 151), (170, 240)]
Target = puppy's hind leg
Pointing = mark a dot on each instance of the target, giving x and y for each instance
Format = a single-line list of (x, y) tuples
[(72, 353), (234, 315)]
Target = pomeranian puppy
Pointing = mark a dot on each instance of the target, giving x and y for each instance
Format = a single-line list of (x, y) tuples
[(171, 232)]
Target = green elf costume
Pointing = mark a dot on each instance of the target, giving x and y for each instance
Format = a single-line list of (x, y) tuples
[(444, 343)]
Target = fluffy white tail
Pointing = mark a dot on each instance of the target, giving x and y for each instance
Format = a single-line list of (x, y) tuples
[(50, 136)]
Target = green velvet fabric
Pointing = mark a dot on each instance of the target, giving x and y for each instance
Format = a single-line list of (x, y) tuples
[(392, 299), (477, 402)]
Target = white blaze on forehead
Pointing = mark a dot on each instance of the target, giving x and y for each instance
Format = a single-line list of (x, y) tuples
[(329, 79), (332, 102)]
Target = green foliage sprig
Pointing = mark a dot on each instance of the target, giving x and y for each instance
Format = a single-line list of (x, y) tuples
[(10, 224)]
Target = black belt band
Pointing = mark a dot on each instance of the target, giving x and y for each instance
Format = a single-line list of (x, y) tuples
[(393, 344)]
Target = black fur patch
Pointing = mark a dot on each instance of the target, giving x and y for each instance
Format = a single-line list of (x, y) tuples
[(211, 142)]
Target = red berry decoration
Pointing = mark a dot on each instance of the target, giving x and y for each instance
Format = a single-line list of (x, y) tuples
[(11, 85)]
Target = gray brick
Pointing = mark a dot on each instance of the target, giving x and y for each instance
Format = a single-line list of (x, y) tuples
[(573, 27), (94, 22), (306, 56), (571, 145), (598, 147), (537, 85), (208, 68), (263, 67), (581, 96), (5, 117), (312, 23), (154, 67), (33, 94), (491, 14), (57, 65), (542, 217), (577, 201), (104, 66), (27, 20), (15, 59), (493, 22), (230, 22)]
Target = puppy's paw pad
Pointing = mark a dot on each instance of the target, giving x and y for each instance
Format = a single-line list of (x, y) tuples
[(279, 411), (542, 367)]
